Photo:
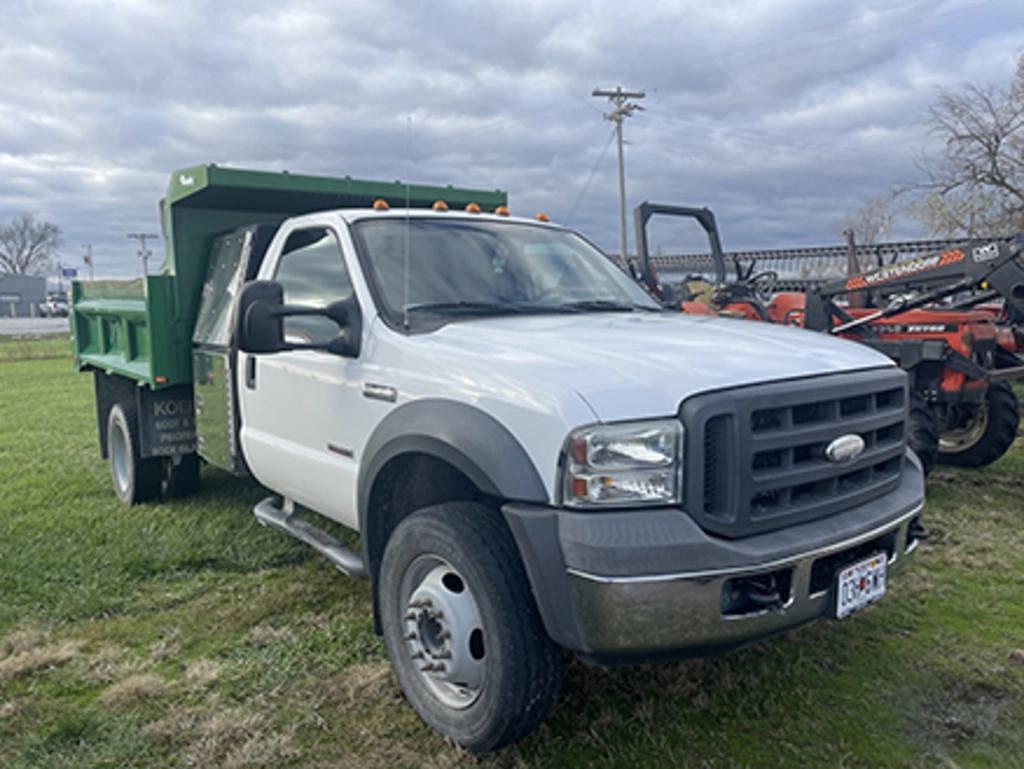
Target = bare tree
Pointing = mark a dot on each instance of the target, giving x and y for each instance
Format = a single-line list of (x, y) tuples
[(871, 222), (977, 185), (27, 245)]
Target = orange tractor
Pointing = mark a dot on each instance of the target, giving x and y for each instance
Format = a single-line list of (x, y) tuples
[(952, 320)]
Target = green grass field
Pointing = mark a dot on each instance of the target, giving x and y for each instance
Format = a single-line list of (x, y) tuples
[(184, 635)]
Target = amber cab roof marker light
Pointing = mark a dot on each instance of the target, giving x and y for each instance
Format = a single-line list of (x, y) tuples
[(380, 205)]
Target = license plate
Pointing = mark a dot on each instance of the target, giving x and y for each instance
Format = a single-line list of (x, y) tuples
[(861, 584)]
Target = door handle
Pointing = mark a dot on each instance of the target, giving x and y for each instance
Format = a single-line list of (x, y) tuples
[(250, 372)]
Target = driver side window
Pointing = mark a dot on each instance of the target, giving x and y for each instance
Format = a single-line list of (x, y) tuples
[(312, 272)]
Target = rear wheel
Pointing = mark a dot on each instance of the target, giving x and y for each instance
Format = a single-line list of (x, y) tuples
[(135, 479), (180, 479), (461, 627), (923, 435), (982, 433)]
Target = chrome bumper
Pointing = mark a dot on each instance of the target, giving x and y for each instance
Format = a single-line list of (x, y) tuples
[(687, 613)]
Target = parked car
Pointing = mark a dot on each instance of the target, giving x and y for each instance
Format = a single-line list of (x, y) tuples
[(536, 456), (55, 306)]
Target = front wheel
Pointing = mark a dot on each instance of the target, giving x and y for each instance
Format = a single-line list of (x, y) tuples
[(461, 627), (982, 433)]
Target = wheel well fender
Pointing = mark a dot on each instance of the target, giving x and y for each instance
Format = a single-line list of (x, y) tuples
[(460, 436)]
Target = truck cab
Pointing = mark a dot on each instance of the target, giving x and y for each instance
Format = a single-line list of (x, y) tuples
[(534, 454)]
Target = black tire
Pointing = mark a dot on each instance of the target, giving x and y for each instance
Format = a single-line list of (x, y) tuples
[(134, 479), (521, 665), (923, 431), (988, 433), (182, 479)]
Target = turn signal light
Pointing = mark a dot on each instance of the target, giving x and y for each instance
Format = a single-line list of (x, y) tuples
[(380, 205)]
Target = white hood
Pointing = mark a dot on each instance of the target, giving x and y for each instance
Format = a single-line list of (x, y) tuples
[(639, 365)]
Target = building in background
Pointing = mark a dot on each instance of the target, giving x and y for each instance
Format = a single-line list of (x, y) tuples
[(21, 295)]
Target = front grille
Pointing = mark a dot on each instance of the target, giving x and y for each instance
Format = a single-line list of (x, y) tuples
[(756, 455)]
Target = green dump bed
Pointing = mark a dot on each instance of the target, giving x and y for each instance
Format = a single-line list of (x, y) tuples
[(142, 329)]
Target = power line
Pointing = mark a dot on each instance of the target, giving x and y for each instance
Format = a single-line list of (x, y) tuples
[(590, 178), (622, 109)]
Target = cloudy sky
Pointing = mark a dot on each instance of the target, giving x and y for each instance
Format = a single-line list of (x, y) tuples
[(782, 115)]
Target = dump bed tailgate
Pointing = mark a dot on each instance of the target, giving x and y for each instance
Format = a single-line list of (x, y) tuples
[(129, 328)]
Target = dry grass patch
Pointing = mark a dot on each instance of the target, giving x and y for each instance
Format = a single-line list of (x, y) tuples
[(367, 681), (202, 673), (110, 664), (265, 634), (238, 739), (133, 688), (22, 640), (38, 658), (8, 709)]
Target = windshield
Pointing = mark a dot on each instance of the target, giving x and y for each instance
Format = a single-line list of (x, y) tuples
[(459, 268)]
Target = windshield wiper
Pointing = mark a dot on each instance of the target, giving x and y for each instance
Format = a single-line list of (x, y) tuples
[(462, 306), (604, 305)]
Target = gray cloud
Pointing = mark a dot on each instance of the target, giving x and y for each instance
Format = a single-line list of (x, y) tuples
[(783, 116)]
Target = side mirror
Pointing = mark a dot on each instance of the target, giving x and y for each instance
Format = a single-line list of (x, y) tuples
[(260, 329), (261, 311)]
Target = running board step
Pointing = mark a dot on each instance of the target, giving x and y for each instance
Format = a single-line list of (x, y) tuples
[(344, 559)]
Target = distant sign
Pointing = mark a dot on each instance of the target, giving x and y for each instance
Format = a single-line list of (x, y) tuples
[(69, 272), (9, 298)]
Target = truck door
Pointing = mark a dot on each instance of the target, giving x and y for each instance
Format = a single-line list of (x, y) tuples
[(294, 404)]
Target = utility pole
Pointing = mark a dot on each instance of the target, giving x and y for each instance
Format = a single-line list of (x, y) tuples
[(144, 253), (622, 108), (87, 258)]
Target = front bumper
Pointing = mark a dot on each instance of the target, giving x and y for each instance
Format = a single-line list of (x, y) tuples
[(642, 584)]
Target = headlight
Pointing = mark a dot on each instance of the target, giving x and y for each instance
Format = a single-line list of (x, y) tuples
[(624, 464)]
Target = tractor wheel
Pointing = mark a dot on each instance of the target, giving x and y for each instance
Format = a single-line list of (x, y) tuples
[(923, 435), (984, 433)]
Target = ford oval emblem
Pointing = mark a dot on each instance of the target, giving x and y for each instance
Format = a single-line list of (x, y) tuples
[(845, 448)]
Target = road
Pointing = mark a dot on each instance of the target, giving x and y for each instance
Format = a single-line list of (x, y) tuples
[(32, 326)]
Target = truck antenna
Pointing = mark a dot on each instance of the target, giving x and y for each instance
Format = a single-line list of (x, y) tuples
[(405, 257)]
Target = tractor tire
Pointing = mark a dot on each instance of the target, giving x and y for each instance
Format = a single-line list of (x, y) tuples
[(462, 629), (987, 434), (923, 432), (135, 479)]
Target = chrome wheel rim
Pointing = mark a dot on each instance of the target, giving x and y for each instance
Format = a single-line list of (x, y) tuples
[(119, 458), (443, 633), (962, 438)]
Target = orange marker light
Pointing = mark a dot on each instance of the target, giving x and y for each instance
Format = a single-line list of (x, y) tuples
[(501, 211), (160, 379), (542, 217), (579, 488), (380, 205), (472, 208), (440, 205)]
